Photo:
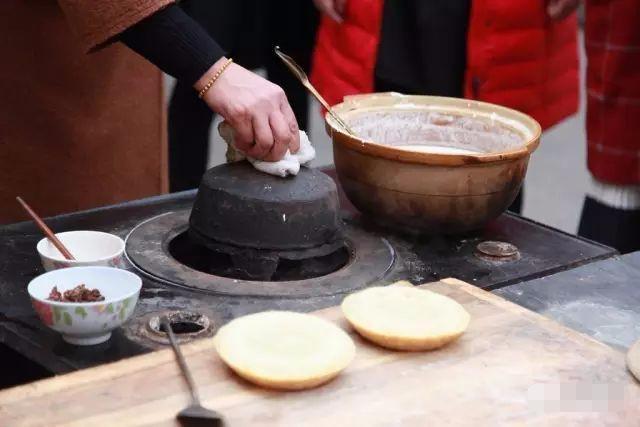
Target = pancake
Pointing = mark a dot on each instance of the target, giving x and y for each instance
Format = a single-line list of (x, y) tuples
[(284, 350), (405, 318)]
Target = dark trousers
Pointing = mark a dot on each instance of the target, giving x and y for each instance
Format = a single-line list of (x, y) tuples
[(190, 119), (618, 228)]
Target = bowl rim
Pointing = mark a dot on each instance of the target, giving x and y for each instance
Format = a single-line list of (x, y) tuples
[(393, 100), (41, 243), (138, 287)]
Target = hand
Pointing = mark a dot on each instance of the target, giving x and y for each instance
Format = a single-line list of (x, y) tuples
[(258, 110), (333, 8), (560, 9)]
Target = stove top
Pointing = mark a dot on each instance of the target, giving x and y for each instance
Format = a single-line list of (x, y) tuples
[(199, 303), (157, 248)]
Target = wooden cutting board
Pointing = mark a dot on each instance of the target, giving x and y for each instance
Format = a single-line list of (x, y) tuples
[(512, 366)]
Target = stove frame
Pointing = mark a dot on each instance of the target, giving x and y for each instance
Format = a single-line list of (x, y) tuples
[(543, 250)]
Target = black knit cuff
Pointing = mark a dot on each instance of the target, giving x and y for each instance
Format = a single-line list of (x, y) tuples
[(175, 43)]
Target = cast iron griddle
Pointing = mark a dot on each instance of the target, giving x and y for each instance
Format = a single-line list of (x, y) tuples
[(240, 206)]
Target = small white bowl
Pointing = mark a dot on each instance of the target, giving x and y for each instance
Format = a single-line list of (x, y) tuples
[(87, 247), (86, 323)]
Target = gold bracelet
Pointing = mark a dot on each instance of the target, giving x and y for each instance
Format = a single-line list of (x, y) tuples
[(215, 77)]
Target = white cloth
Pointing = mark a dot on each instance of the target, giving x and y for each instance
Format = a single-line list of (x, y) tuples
[(289, 165)]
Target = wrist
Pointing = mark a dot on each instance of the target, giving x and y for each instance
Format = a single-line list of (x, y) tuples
[(210, 77)]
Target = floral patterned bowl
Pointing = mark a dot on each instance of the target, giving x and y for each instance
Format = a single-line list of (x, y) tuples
[(88, 247), (86, 323)]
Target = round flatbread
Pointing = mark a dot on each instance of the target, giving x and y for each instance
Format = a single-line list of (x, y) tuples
[(284, 350), (405, 318)]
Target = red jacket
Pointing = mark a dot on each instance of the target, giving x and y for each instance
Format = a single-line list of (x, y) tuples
[(516, 57), (612, 40)]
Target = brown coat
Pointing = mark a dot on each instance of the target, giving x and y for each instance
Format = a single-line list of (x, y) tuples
[(77, 131), (97, 21)]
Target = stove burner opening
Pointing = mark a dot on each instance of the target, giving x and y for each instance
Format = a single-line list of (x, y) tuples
[(186, 325), (202, 259), (183, 327)]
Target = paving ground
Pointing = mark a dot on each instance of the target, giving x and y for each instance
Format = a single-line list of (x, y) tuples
[(555, 183)]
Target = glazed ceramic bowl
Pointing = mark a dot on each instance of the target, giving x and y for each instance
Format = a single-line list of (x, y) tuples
[(429, 164), (86, 323), (88, 247)]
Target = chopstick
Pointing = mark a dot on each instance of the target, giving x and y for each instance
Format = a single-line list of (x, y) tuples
[(46, 230)]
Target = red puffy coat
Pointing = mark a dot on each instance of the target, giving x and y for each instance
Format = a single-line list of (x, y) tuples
[(516, 57)]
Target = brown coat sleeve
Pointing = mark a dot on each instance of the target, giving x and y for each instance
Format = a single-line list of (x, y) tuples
[(96, 22)]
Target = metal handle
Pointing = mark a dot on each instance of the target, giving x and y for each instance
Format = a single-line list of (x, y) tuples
[(291, 64), (181, 361), (302, 76)]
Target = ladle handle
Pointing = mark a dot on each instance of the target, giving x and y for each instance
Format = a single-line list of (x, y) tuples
[(195, 398), (326, 106), (302, 76)]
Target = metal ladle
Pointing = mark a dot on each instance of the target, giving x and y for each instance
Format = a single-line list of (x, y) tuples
[(302, 76), (195, 413)]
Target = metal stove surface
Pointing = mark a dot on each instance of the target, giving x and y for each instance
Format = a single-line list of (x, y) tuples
[(371, 259), (541, 251)]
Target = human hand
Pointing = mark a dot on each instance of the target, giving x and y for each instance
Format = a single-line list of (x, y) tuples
[(258, 110), (333, 8), (560, 9)]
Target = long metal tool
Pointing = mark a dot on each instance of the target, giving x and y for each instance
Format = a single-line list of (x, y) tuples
[(302, 76), (195, 413)]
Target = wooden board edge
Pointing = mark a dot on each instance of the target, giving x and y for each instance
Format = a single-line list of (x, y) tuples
[(104, 372)]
